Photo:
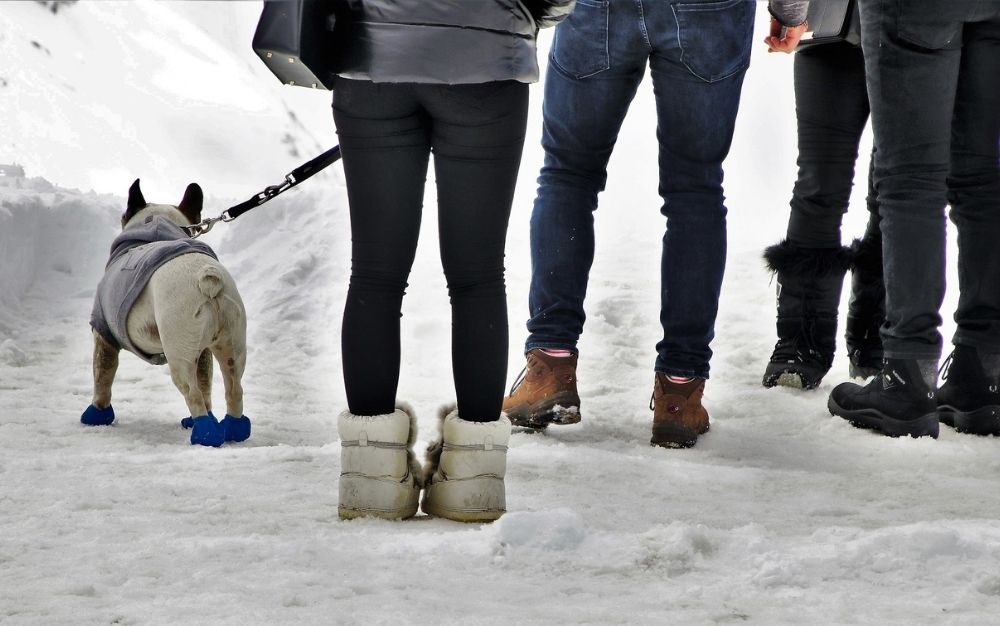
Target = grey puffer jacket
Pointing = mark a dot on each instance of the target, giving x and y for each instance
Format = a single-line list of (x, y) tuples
[(135, 254), (442, 41)]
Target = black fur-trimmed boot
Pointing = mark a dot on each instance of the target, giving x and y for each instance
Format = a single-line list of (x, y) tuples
[(866, 310), (809, 284)]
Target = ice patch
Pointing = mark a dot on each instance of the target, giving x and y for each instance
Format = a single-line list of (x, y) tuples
[(12, 355), (989, 586), (558, 530), (675, 549)]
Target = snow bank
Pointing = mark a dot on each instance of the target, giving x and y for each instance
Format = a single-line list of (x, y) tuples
[(51, 233)]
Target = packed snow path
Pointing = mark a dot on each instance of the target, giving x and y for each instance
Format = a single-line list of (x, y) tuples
[(781, 514)]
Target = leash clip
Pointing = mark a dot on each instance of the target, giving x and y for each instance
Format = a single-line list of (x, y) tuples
[(197, 230)]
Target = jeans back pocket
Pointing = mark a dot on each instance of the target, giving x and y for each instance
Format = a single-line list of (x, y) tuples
[(931, 24), (580, 44), (715, 37)]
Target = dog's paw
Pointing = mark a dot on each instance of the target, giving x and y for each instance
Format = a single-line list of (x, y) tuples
[(237, 428), (94, 416), (188, 422), (207, 431)]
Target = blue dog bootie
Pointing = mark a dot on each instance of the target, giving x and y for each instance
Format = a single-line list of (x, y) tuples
[(94, 416), (188, 422), (237, 428), (207, 431)]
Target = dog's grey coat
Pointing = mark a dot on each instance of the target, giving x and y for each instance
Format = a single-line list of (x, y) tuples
[(135, 254)]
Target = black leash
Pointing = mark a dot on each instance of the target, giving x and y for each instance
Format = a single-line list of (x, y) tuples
[(293, 178)]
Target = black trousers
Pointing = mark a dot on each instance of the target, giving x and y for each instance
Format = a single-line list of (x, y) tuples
[(387, 132), (831, 108), (934, 77)]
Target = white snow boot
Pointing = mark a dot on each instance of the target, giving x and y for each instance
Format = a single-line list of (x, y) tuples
[(465, 470), (379, 474)]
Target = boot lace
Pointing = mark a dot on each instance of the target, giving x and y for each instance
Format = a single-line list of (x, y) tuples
[(802, 345), (518, 381), (945, 368)]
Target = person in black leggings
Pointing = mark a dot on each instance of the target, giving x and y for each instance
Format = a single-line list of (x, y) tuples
[(417, 78), (387, 132), (832, 110)]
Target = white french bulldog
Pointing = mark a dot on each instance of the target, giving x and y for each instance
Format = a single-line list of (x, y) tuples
[(167, 299)]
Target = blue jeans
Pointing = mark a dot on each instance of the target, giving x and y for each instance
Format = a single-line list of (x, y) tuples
[(698, 52), (934, 80)]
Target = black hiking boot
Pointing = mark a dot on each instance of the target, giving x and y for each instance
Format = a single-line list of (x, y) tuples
[(899, 401), (809, 285), (969, 399), (866, 310)]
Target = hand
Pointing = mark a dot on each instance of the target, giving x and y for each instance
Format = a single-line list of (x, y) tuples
[(784, 38)]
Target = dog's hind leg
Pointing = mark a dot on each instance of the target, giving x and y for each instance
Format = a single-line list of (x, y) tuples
[(232, 360), (185, 375), (205, 429), (205, 377), (233, 363), (100, 413)]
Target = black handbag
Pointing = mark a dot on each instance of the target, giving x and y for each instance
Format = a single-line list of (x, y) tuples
[(831, 21), (294, 38)]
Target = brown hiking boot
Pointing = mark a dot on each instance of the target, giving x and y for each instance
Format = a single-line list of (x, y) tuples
[(545, 392), (678, 416)]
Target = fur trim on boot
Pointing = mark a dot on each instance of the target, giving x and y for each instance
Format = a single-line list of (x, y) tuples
[(866, 257), (465, 469), (379, 474), (810, 262)]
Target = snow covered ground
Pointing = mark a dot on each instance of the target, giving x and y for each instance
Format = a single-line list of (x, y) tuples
[(782, 514)]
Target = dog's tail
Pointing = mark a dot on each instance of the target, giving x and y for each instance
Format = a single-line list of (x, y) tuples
[(222, 306), (210, 281)]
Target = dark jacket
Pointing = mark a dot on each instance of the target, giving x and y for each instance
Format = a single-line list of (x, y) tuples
[(135, 254), (442, 41)]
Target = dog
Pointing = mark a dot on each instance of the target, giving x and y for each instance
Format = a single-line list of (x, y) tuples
[(166, 298)]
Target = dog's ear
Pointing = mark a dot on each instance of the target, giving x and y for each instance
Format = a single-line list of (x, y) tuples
[(192, 203), (135, 203)]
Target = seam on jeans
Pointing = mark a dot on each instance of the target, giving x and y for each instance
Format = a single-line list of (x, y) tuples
[(920, 355), (561, 345), (642, 25), (688, 373)]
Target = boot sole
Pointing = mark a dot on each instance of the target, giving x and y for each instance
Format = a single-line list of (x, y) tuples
[(348, 513), (789, 378), (924, 426), (550, 411), (367, 496), (481, 516), (982, 421), (674, 436)]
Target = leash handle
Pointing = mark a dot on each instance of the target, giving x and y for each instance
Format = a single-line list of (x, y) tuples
[(292, 179)]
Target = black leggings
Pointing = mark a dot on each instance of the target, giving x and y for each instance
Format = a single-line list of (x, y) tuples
[(831, 108), (387, 132)]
